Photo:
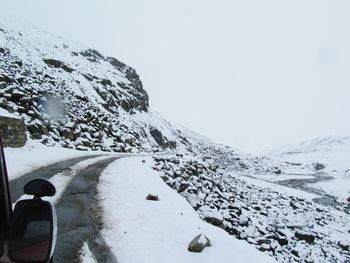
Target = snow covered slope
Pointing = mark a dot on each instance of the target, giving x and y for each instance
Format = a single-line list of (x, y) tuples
[(326, 157), (332, 152), (73, 96), (165, 227)]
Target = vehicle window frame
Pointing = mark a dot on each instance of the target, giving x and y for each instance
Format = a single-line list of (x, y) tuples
[(5, 202)]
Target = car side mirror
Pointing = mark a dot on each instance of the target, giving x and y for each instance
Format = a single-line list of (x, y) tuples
[(34, 225), (39, 188)]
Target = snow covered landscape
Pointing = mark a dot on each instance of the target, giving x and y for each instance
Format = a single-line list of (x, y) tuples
[(321, 158), (161, 184)]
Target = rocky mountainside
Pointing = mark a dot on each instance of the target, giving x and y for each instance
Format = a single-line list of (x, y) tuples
[(74, 96)]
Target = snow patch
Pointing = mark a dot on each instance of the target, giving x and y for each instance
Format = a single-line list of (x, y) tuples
[(141, 231), (86, 255)]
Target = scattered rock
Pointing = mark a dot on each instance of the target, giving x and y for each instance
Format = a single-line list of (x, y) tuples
[(282, 241), (58, 64), (309, 237), (319, 166), (152, 197), (344, 245), (199, 243)]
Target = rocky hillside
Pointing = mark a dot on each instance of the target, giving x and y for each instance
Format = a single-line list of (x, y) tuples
[(68, 93), (72, 95), (289, 227)]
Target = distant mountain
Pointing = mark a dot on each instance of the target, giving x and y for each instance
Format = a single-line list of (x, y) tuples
[(331, 154)]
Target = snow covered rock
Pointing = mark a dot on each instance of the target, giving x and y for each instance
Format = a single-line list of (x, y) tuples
[(152, 197), (211, 215), (309, 237), (199, 243)]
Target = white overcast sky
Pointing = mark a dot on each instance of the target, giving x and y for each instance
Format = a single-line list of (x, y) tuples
[(252, 74)]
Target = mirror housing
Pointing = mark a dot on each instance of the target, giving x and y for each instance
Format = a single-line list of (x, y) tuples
[(33, 231)]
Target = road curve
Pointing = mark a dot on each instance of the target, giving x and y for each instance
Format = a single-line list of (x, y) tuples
[(79, 216), (45, 172)]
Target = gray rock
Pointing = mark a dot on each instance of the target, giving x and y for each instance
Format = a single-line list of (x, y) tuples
[(67, 133), (309, 237), (199, 243), (58, 64), (152, 197), (33, 128), (343, 245), (37, 136)]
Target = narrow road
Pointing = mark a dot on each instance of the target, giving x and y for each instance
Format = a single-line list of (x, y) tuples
[(79, 216), (45, 172)]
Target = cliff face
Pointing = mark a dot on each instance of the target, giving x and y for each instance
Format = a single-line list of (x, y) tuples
[(68, 93)]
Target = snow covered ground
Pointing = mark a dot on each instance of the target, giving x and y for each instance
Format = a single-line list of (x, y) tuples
[(339, 187), (332, 152), (140, 231), (108, 109), (86, 255), (5, 113), (287, 191), (35, 155)]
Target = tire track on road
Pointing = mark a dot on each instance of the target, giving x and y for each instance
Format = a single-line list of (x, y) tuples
[(45, 172), (80, 218)]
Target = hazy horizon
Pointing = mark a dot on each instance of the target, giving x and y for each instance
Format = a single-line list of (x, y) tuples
[(253, 75)]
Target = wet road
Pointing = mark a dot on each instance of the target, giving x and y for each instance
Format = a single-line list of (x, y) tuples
[(79, 216), (45, 172)]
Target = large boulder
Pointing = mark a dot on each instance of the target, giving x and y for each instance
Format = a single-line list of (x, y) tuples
[(212, 216), (53, 63), (199, 243), (309, 237)]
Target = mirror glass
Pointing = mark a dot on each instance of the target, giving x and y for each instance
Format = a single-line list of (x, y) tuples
[(31, 231)]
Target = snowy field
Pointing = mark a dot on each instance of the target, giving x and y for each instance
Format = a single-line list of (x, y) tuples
[(339, 187), (141, 231)]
